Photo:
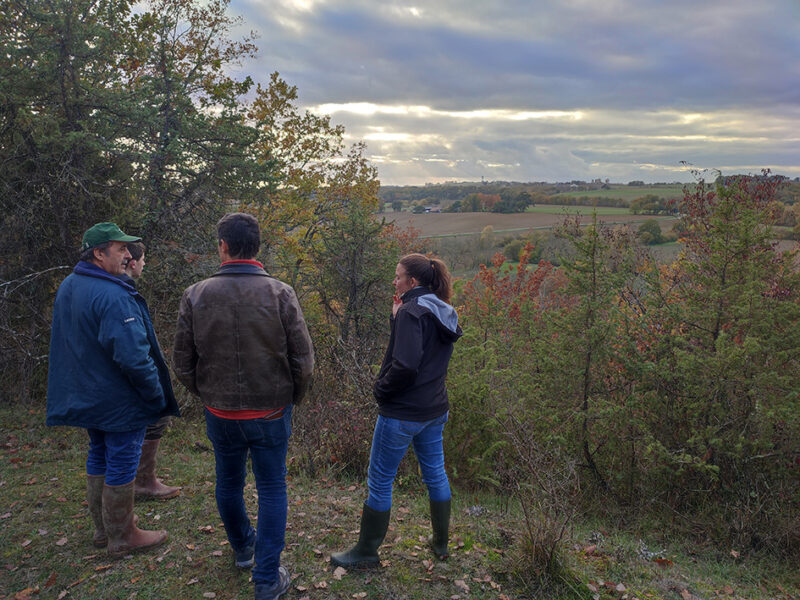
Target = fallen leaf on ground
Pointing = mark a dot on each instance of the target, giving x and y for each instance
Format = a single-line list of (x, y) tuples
[(321, 585), (61, 541), (686, 594), (663, 562), (192, 581), (51, 581), (102, 568), (209, 595), (26, 593), (339, 572), (462, 585)]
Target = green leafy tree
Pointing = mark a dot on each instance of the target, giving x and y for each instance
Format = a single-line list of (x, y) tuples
[(63, 168), (649, 232), (720, 338), (111, 114)]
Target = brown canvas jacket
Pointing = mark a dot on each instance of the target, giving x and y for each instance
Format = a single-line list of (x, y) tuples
[(241, 341)]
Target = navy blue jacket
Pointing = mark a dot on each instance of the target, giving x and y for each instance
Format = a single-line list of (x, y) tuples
[(106, 369), (411, 382)]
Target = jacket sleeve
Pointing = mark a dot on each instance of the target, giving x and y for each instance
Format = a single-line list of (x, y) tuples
[(406, 356), (123, 334), (299, 348), (184, 351)]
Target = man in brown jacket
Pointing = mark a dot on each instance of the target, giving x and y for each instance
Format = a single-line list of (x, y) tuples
[(242, 345)]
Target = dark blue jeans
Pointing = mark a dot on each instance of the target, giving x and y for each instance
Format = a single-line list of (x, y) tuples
[(390, 443), (266, 442), (114, 454)]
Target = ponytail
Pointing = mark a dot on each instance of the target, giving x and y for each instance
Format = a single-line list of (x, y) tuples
[(430, 272)]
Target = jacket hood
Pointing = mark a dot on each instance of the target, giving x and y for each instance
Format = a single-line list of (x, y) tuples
[(445, 314)]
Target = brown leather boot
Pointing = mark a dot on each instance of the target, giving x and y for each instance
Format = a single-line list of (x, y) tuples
[(147, 484), (94, 497), (124, 536)]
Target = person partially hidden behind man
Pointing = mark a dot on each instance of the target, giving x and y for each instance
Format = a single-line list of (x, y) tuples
[(146, 484), (241, 344), (107, 375)]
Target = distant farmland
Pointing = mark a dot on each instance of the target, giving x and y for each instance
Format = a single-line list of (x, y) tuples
[(584, 210), (629, 192), (450, 224)]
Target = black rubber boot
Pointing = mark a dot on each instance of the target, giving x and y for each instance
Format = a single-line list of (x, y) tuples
[(364, 555), (440, 522)]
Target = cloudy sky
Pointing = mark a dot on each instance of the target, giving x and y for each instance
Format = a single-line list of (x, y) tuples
[(536, 90)]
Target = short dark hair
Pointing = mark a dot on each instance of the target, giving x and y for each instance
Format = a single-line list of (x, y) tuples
[(136, 249), (88, 254), (241, 232)]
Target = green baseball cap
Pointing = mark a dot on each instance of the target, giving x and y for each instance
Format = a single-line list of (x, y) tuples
[(105, 232)]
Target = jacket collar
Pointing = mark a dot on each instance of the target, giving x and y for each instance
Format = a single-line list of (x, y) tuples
[(128, 279), (92, 270), (240, 268), (420, 290)]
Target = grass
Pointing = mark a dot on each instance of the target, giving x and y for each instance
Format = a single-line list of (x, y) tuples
[(47, 551), (545, 217), (626, 192)]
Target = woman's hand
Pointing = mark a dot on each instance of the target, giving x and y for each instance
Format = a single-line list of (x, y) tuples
[(397, 303)]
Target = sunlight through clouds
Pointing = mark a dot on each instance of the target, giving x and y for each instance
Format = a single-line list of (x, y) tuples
[(528, 90)]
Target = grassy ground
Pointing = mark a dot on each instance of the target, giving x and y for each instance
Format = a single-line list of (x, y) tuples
[(631, 192), (47, 551)]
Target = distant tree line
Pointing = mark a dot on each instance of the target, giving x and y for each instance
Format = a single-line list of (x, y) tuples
[(506, 201)]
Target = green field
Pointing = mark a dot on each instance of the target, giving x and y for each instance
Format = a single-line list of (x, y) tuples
[(626, 192), (559, 209)]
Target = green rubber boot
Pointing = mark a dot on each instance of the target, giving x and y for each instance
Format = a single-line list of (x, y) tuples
[(94, 498), (440, 522), (364, 555)]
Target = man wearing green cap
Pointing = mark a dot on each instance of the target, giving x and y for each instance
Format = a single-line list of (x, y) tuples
[(108, 376)]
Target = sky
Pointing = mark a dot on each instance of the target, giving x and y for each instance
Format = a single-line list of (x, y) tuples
[(535, 90)]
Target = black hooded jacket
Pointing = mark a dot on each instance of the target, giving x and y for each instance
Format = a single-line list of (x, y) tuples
[(411, 382)]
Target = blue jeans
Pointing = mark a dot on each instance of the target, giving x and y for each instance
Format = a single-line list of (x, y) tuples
[(390, 443), (266, 441), (114, 454)]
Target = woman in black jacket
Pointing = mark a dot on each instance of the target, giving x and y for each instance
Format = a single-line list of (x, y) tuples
[(412, 404)]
